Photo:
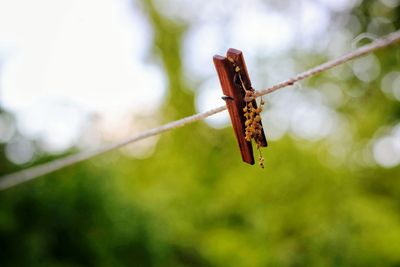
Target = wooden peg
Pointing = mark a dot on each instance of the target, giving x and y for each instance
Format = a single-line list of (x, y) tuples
[(238, 58), (228, 69)]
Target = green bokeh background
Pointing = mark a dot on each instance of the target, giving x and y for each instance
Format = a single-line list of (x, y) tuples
[(192, 203)]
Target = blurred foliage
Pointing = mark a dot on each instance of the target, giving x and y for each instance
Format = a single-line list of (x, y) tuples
[(192, 203)]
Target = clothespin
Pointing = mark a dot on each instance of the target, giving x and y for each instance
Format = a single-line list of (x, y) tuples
[(236, 87)]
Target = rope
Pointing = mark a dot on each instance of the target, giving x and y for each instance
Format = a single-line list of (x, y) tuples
[(31, 173), (359, 52)]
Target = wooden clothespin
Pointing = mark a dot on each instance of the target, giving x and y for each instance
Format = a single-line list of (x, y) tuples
[(236, 86)]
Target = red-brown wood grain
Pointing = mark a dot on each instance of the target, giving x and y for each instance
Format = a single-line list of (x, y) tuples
[(235, 98), (237, 56), (235, 105)]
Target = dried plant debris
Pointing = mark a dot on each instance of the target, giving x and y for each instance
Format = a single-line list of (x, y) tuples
[(253, 127)]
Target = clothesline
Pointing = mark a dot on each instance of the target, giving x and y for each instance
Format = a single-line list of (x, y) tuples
[(31, 173)]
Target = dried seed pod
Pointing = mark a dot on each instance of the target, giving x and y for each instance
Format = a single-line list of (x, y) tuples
[(253, 128)]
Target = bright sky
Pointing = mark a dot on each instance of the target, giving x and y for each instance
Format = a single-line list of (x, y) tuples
[(64, 59)]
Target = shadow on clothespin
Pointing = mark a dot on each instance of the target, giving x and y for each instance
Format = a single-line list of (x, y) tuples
[(236, 87)]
